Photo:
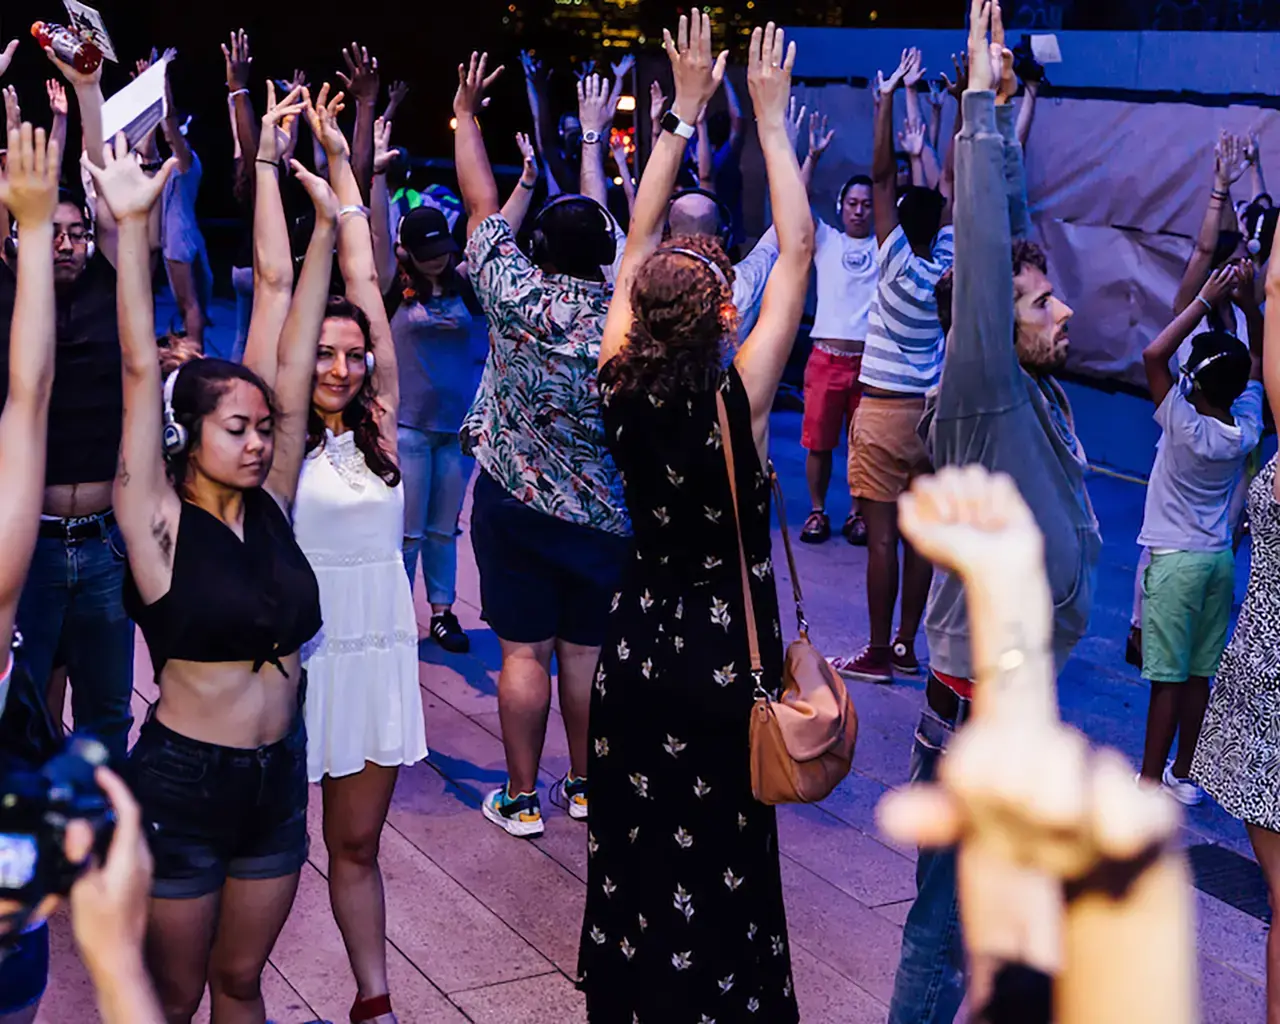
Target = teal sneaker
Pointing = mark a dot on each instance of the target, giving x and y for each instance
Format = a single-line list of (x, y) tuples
[(570, 795), (519, 815)]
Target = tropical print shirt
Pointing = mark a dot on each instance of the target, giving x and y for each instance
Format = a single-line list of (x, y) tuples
[(535, 424)]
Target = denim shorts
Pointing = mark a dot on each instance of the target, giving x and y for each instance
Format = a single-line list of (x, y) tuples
[(542, 578), (214, 813)]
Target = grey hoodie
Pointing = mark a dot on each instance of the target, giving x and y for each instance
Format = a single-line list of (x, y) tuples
[(989, 410)]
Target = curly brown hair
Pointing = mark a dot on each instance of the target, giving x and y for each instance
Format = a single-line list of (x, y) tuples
[(682, 314)]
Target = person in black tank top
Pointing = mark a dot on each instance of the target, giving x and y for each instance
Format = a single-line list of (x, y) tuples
[(225, 599)]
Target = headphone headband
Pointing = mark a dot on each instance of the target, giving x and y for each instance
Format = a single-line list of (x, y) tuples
[(708, 263)]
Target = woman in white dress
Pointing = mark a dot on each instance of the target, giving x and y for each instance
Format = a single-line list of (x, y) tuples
[(363, 705)]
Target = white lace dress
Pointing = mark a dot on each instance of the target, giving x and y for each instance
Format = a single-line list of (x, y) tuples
[(363, 702)]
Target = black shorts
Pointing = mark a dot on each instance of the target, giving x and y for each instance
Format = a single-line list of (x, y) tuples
[(213, 813), (542, 578)]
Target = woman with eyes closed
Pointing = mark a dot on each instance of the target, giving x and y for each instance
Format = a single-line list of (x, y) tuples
[(225, 599), (364, 707)]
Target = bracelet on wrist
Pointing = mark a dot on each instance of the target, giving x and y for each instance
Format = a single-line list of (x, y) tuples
[(237, 92), (358, 211), (1208, 306), (269, 163), (529, 187)]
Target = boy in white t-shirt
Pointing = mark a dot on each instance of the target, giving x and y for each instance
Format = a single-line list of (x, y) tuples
[(847, 273), (1211, 419)]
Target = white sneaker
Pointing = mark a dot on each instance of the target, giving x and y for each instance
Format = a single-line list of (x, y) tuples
[(1184, 791)]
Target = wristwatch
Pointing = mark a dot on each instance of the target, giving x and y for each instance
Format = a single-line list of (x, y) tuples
[(590, 138), (671, 123)]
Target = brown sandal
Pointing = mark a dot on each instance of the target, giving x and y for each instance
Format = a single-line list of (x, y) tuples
[(367, 1009)]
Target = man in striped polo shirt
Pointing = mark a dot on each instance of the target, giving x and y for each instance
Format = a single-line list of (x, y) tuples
[(901, 361)]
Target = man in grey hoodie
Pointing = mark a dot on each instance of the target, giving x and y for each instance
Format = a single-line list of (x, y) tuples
[(998, 405)]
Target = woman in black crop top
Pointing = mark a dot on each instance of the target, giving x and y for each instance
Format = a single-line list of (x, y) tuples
[(225, 600)]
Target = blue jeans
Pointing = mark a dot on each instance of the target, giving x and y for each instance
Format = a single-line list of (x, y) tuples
[(929, 987), (435, 483), (72, 603)]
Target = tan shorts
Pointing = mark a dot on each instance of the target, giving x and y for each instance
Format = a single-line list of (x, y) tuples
[(885, 452)]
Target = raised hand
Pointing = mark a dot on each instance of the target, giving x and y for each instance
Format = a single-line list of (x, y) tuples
[(239, 60), (286, 85), (623, 67), (57, 97), (1222, 282), (911, 138), (982, 68), (697, 74), (121, 182), (657, 102), (474, 81), (820, 135), (956, 89), (399, 90), (529, 174), (915, 68), (12, 109), (890, 85), (796, 117), (1008, 87), (6, 56), (78, 79), (936, 93), (1242, 292), (277, 122), (361, 80), (383, 154), (581, 71), (532, 66), (1251, 148), (29, 184), (322, 116), (321, 193), (1231, 159), (595, 111), (769, 63)]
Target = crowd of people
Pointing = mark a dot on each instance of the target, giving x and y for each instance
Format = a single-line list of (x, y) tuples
[(261, 511)]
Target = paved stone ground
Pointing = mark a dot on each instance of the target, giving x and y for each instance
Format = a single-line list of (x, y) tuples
[(484, 928)]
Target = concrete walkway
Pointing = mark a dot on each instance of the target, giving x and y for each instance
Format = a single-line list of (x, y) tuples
[(484, 928)]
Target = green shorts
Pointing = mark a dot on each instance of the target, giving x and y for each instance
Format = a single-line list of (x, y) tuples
[(1186, 614)]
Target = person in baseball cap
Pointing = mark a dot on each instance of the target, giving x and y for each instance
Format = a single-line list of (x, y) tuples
[(424, 237)]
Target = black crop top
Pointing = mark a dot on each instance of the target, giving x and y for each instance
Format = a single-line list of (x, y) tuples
[(253, 600)]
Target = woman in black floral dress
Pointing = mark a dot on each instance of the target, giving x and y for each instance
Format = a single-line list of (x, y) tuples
[(685, 919)]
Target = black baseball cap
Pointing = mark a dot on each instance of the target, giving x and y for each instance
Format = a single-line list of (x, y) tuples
[(424, 233)]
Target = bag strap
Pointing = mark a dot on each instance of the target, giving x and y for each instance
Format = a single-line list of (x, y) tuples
[(753, 640), (802, 624)]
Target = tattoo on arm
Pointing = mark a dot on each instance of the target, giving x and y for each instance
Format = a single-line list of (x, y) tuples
[(122, 474)]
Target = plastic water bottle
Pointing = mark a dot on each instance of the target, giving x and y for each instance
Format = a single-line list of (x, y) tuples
[(68, 46)]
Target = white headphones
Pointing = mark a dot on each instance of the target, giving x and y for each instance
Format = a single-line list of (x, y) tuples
[(91, 246), (368, 362), (174, 438), (1255, 243)]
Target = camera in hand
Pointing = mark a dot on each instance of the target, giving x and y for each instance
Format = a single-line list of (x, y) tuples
[(36, 806)]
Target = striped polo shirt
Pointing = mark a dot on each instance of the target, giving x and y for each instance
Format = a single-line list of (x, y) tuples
[(904, 343)]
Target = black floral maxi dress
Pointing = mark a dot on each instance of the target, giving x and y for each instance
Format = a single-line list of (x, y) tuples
[(684, 920)]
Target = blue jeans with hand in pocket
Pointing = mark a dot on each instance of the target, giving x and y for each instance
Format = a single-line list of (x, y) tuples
[(435, 484)]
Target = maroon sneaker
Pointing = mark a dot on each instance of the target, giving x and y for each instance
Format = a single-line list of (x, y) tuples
[(872, 665), (904, 660)]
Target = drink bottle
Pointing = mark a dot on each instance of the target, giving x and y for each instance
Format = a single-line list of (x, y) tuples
[(68, 46)]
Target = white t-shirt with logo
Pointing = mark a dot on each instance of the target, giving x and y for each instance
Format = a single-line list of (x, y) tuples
[(847, 279)]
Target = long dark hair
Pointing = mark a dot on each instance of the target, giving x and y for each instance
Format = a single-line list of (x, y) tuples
[(359, 416), (414, 287), (683, 312), (196, 394)]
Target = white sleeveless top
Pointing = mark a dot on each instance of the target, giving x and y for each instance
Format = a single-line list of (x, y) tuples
[(363, 700)]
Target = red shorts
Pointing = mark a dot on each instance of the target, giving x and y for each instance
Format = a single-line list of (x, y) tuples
[(832, 392)]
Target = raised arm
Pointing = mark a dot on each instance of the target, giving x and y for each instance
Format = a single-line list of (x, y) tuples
[(596, 115), (471, 159), (296, 360), (1245, 295), (697, 76), (172, 133), (706, 158), (1156, 356), (58, 107), (396, 96), (146, 505), (820, 139), (884, 165), (356, 261), (764, 354), (924, 162), (272, 257), (517, 206), (935, 115), (737, 125), (239, 61), (1229, 166), (532, 77), (384, 252), (618, 149), (362, 84), (29, 190), (1256, 178), (981, 372)]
